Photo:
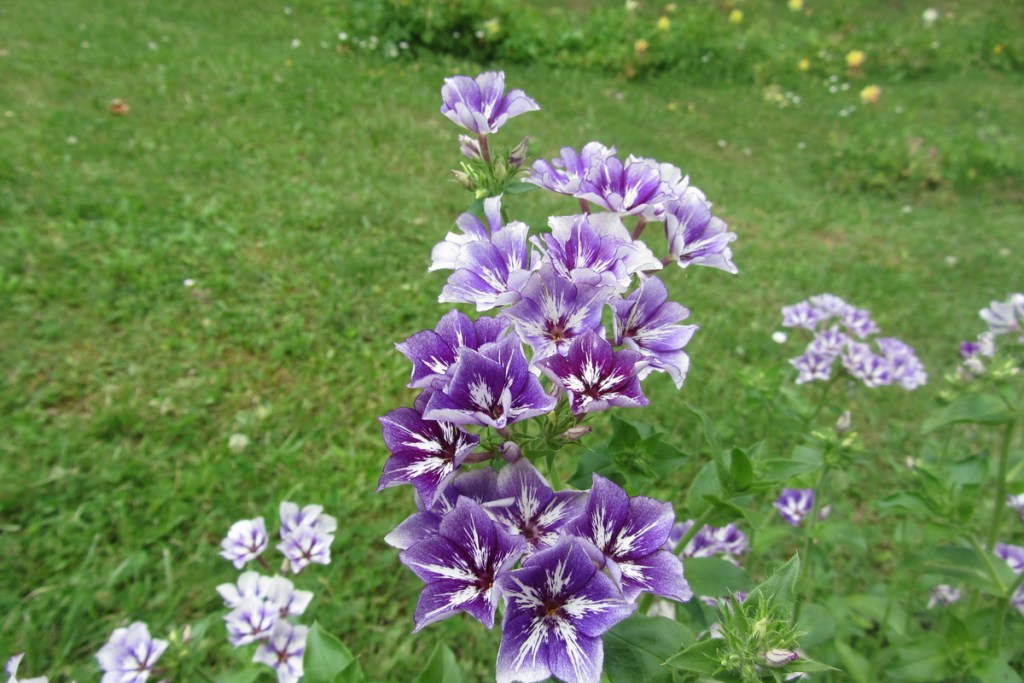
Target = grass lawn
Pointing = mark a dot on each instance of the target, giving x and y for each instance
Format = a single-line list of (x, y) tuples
[(299, 188)]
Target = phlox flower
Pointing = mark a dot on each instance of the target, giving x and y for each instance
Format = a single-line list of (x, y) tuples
[(1017, 503), (627, 189), (481, 105), (812, 367), (1013, 555), (795, 504), (870, 368), (710, 541), (695, 236), (283, 651), (250, 584), (1005, 317), (491, 272), (461, 565), (292, 517), (630, 535), (565, 173), (596, 376), (281, 593), (130, 654), (251, 620), (557, 606), (943, 595), (246, 539), (306, 545), (802, 314), (434, 352), (12, 670), (445, 255)]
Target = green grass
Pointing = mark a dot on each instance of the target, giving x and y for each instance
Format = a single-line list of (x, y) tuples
[(302, 188)]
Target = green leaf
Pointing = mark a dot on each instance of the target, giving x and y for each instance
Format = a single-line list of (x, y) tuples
[(326, 657), (924, 660), (741, 471), (636, 649), (715, 577), (855, 665), (993, 670), (700, 658), (974, 408), (967, 565), (779, 471), (441, 668), (517, 187), (246, 675), (817, 624), (704, 484), (780, 587), (809, 666), (710, 434)]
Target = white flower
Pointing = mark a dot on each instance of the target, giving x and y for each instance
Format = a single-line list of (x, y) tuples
[(930, 16), (779, 337), (238, 442)]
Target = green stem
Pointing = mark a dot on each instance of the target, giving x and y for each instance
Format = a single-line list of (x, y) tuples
[(812, 520), (485, 149), (997, 630), (1000, 502)]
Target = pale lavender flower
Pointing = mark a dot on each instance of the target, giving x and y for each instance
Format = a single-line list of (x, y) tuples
[(553, 311), (870, 368), (829, 305), (906, 369), (596, 376), (252, 620), (1017, 503), (695, 237), (282, 593), (306, 545), (434, 352), (461, 564), (492, 387), (283, 651), (12, 670), (480, 105), (627, 189), (424, 453), (445, 255), (250, 584), (130, 654), (630, 533), (943, 595), (470, 148), (557, 607), (829, 343), (565, 174), (1013, 555), (1005, 317), (491, 273), (802, 314), (859, 322), (646, 321), (812, 367), (246, 539), (292, 517), (527, 506), (795, 504)]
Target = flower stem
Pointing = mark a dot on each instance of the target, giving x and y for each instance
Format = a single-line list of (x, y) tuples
[(805, 565), (640, 225), (585, 206), (1000, 502), (997, 629), (485, 149)]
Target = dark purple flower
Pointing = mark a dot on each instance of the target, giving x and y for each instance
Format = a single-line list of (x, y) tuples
[(646, 322), (969, 350), (596, 376), (492, 387), (553, 311), (491, 272), (445, 255), (283, 651), (480, 485), (129, 655), (527, 506), (795, 504), (557, 606), (460, 565), (595, 250), (434, 352), (695, 237), (628, 189), (564, 174), (480, 105), (424, 453), (630, 533)]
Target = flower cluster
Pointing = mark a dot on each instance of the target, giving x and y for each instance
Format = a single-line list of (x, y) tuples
[(130, 654), (1013, 555), (567, 564), (260, 605), (841, 332), (728, 541), (1002, 317)]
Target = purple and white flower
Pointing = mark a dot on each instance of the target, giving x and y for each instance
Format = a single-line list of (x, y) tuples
[(627, 189), (695, 237), (306, 545), (251, 620), (1017, 503), (492, 387), (12, 670), (812, 367), (481, 105), (1013, 555), (870, 368), (461, 564), (565, 174), (630, 534), (289, 601), (710, 541), (480, 485), (1005, 317), (492, 272), (646, 321), (795, 504), (596, 376), (250, 584), (943, 595), (130, 654), (906, 369), (445, 255), (802, 314), (434, 352), (557, 606), (859, 322), (283, 651), (527, 506), (293, 517), (246, 539)]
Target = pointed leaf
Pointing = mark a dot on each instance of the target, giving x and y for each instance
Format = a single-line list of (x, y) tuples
[(855, 665), (780, 587), (700, 658), (715, 577), (441, 668), (976, 408), (636, 649), (326, 656), (705, 484)]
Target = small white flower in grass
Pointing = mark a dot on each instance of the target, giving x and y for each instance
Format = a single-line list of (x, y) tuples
[(72, 140), (930, 16), (287, 10), (238, 443), (296, 43), (951, 261), (342, 36), (779, 337), (130, 654), (246, 539), (188, 282)]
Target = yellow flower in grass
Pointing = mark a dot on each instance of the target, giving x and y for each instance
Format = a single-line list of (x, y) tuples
[(664, 23), (855, 59), (736, 16), (998, 49), (796, 5), (492, 26), (804, 64), (870, 94), (640, 46)]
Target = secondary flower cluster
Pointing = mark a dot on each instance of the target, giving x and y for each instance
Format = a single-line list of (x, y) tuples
[(1013, 555), (568, 564), (841, 332), (130, 654), (261, 606), (728, 541), (1002, 317)]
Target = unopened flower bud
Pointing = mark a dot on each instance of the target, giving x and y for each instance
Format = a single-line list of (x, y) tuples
[(511, 451), (470, 148), (518, 154), (824, 512), (462, 179), (577, 432), (761, 627), (843, 423), (777, 657), (501, 169)]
